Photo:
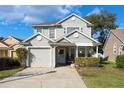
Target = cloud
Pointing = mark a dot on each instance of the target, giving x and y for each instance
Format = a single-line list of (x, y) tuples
[(94, 11), (34, 14)]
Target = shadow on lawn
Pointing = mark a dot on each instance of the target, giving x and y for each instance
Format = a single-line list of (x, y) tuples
[(23, 76)]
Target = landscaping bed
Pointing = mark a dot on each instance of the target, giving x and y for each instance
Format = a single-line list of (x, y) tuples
[(108, 76)]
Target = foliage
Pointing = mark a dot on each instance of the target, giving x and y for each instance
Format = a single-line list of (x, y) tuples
[(87, 61), (8, 62), (1, 38), (22, 55), (102, 23), (120, 61)]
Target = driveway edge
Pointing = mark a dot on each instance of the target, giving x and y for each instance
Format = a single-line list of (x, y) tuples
[(79, 77)]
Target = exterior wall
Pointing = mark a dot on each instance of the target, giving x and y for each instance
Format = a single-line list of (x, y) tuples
[(13, 52), (79, 39), (11, 41), (68, 23), (77, 23), (108, 49), (42, 42), (3, 53)]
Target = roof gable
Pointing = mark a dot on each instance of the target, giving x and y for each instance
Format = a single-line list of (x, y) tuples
[(118, 34), (66, 37), (2, 45), (35, 36), (75, 16)]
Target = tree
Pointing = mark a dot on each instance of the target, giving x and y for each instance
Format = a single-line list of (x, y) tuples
[(1, 38), (22, 55), (102, 23)]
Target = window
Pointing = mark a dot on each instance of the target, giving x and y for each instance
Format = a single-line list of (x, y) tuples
[(81, 29), (114, 48), (39, 30), (70, 29), (61, 51), (120, 50), (51, 33)]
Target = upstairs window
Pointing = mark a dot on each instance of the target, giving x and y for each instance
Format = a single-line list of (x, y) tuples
[(51, 32), (39, 30), (114, 48), (71, 29)]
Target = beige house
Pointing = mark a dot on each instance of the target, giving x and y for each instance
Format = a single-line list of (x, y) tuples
[(8, 46), (114, 44)]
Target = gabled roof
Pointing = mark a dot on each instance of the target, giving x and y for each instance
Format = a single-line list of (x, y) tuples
[(81, 34), (13, 37), (73, 14), (36, 35), (118, 33), (60, 21), (5, 45)]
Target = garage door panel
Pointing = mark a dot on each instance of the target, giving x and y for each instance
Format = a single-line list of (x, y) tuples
[(40, 57)]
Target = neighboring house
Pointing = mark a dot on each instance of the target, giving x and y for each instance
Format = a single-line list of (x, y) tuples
[(58, 43), (8, 46), (114, 44)]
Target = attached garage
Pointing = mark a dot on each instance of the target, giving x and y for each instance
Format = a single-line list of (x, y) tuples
[(40, 57)]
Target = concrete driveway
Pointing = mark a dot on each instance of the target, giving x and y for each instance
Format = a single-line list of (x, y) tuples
[(60, 77)]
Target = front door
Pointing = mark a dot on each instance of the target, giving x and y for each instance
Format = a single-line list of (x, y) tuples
[(61, 56)]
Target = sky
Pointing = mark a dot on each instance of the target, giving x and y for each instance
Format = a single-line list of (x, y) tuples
[(17, 20)]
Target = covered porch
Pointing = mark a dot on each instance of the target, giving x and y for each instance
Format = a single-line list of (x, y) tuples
[(66, 53)]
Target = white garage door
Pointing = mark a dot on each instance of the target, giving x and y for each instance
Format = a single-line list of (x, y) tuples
[(40, 57)]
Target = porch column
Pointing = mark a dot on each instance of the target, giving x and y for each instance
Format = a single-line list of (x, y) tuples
[(86, 52), (53, 52), (96, 51), (76, 51)]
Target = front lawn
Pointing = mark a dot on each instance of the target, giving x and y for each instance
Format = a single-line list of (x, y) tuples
[(6, 73), (102, 77)]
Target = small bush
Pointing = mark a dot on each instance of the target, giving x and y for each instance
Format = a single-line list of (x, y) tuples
[(22, 55), (8, 62), (120, 61), (87, 61)]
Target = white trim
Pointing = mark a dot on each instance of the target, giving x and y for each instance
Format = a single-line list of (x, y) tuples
[(73, 14), (38, 47), (54, 33), (36, 35), (67, 39), (80, 33), (84, 44), (73, 27), (50, 57)]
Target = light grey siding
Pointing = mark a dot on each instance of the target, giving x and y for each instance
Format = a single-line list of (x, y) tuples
[(79, 39), (67, 23), (77, 23), (42, 42)]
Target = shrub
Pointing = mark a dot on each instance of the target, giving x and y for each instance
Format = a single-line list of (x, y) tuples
[(22, 55), (87, 61), (120, 61), (8, 62)]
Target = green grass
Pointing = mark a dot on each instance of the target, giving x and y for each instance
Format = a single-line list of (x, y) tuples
[(6, 73), (102, 77)]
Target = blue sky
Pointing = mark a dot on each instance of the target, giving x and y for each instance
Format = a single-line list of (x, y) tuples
[(17, 20)]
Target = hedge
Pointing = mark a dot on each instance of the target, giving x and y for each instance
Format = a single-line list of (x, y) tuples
[(120, 61), (87, 61), (8, 62)]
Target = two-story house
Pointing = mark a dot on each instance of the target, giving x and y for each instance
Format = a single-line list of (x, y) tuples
[(58, 43)]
